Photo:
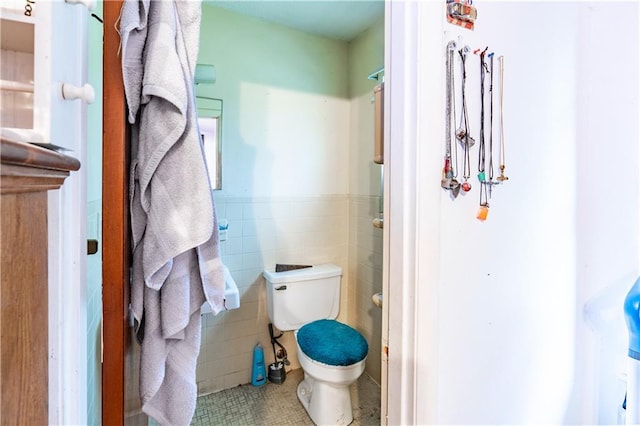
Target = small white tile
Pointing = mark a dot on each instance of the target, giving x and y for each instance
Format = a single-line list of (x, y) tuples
[(247, 311), (251, 260), (237, 378), (233, 246), (213, 335), (233, 261), (221, 209), (238, 362), (249, 228), (235, 346), (257, 211), (250, 244), (211, 385), (234, 211), (234, 228), (239, 329), (250, 293)]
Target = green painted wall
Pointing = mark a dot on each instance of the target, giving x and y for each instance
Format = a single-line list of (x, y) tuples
[(366, 54), (286, 106)]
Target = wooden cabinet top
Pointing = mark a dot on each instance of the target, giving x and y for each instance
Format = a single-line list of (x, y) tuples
[(28, 168)]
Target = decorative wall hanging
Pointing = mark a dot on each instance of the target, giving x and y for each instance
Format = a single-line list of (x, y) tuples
[(449, 171), (461, 13), (502, 177), (483, 211), (462, 133), (491, 182)]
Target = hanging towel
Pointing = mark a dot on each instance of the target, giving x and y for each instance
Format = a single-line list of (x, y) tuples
[(176, 263)]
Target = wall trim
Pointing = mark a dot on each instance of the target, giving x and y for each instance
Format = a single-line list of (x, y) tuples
[(412, 207), (399, 206)]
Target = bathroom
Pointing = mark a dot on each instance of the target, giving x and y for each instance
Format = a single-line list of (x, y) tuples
[(540, 310), (299, 185), (515, 320)]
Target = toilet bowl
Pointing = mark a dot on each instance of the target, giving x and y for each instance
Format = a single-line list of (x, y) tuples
[(324, 392), (331, 354)]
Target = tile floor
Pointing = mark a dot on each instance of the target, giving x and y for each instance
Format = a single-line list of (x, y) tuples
[(273, 404)]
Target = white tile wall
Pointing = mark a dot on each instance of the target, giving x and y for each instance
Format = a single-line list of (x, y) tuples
[(302, 230), (365, 263), (263, 232)]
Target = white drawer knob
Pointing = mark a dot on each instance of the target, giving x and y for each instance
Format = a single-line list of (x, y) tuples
[(89, 4), (85, 93)]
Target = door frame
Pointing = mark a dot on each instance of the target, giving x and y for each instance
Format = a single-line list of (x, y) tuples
[(115, 224), (414, 115), (406, 398)]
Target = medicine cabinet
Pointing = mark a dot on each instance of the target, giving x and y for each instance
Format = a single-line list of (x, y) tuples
[(210, 123)]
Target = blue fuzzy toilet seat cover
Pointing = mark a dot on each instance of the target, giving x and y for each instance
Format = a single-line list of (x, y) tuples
[(333, 343)]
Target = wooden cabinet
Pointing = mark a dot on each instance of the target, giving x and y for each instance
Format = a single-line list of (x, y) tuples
[(27, 173), (43, 57)]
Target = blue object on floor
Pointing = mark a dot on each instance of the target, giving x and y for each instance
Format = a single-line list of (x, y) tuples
[(333, 343), (632, 315), (258, 372)]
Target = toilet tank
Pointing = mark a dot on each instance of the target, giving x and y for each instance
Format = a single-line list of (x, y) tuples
[(297, 297)]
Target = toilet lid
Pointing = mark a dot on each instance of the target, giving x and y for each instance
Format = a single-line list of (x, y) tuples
[(332, 343)]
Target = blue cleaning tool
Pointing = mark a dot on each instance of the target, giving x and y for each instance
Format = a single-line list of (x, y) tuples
[(258, 372), (632, 315)]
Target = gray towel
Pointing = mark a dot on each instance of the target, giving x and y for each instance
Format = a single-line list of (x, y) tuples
[(133, 33), (176, 260)]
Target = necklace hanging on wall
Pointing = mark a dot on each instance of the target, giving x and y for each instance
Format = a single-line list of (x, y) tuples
[(484, 204), (502, 177), (491, 182), (462, 134), (449, 174)]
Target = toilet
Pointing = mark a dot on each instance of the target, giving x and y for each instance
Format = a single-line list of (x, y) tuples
[(331, 354)]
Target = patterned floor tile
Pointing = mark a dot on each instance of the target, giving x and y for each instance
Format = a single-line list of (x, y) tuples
[(273, 404)]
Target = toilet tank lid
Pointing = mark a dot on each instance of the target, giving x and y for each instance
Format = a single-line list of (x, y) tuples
[(315, 272)]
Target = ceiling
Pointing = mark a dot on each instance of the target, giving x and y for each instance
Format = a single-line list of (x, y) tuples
[(338, 19)]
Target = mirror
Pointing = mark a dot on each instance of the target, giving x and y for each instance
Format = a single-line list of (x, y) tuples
[(210, 123)]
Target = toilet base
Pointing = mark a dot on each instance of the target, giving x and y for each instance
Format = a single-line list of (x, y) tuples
[(325, 403)]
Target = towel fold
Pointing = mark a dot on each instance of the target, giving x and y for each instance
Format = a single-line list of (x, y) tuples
[(176, 263)]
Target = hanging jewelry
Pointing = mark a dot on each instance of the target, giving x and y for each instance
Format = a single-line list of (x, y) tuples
[(462, 134), (484, 204), (502, 177), (448, 172), (481, 149), (491, 182), (455, 157)]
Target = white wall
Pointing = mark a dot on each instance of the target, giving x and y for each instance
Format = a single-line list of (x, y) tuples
[(512, 340), (608, 217), (507, 306)]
